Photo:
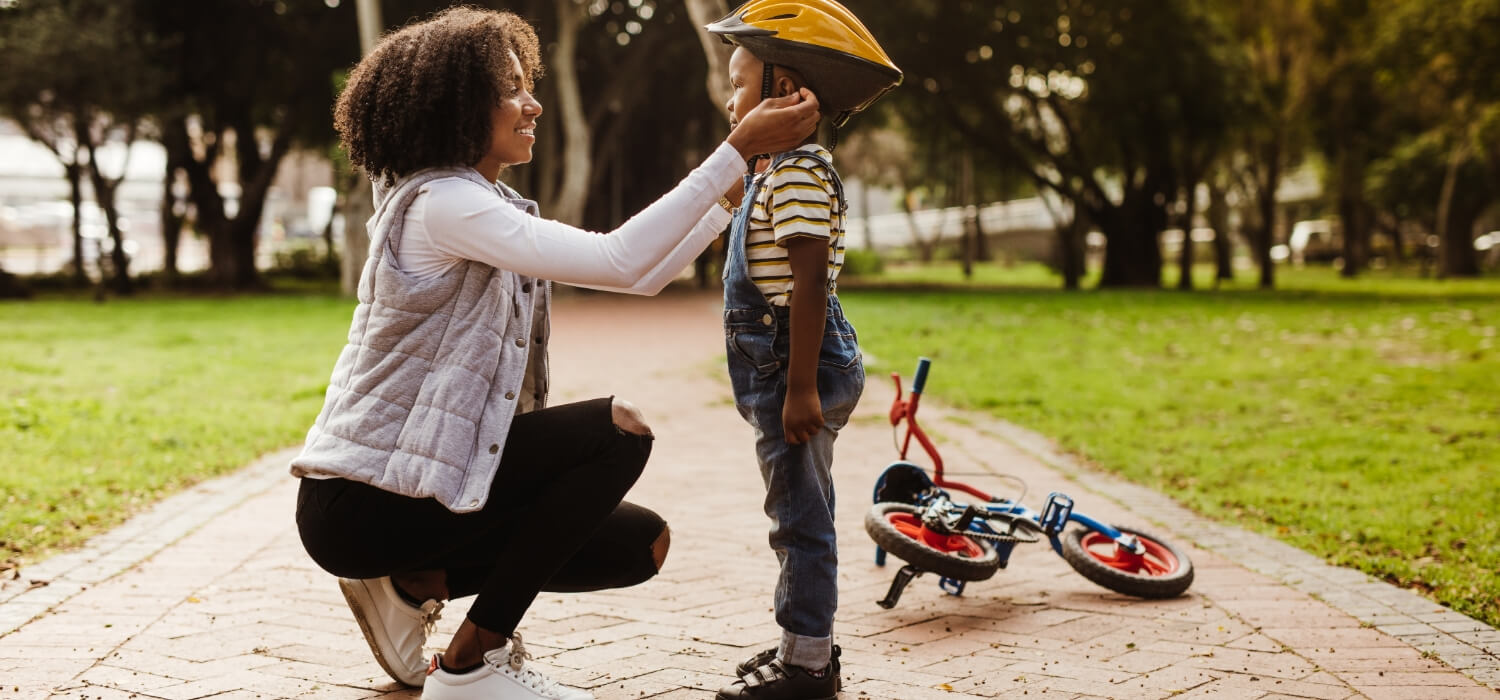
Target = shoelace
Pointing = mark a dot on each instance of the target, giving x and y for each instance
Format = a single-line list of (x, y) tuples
[(432, 611), (517, 658)]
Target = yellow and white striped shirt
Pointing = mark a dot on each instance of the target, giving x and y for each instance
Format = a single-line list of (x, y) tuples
[(799, 199)]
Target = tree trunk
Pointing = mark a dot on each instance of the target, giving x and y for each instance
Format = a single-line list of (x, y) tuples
[(1459, 257), (119, 263), (925, 248), (864, 210), (1456, 256), (1068, 250), (74, 172), (171, 224), (703, 12), (572, 191), (174, 141), (1185, 256), (970, 222), (1218, 218), (1132, 252), (981, 240), (359, 206), (1351, 214), (1265, 234), (331, 266), (1388, 224), (104, 196), (1070, 247)]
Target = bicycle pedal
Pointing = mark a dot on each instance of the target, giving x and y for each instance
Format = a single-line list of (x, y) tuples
[(1056, 513)]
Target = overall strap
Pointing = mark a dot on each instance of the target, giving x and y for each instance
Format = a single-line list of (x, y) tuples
[(833, 175)]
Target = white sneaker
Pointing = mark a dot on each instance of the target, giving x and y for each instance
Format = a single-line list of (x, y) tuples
[(504, 676), (395, 630)]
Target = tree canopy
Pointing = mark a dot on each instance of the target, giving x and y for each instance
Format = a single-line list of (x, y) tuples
[(1121, 110)]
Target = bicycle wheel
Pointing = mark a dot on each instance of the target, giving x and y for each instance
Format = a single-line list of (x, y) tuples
[(897, 527), (1164, 571)]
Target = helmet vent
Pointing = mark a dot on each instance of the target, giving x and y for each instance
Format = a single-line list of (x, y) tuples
[(787, 16)]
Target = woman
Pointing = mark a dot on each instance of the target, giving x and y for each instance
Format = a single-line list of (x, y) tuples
[(435, 470)]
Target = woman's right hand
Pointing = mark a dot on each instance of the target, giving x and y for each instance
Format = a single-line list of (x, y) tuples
[(776, 124)]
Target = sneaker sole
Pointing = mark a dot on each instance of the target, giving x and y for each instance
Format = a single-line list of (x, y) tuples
[(366, 625)]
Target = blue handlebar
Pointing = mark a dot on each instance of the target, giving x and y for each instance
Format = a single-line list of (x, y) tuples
[(920, 380)]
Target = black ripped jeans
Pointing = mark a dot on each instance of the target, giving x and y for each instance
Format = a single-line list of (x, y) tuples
[(555, 520)]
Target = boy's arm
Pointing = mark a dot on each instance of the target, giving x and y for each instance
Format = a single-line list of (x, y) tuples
[(802, 414)]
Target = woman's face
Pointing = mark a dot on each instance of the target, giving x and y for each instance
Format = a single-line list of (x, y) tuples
[(513, 127)]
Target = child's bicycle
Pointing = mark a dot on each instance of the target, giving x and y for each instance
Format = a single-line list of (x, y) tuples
[(915, 519)]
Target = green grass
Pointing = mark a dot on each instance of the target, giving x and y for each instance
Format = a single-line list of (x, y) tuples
[(107, 407), (1358, 420)]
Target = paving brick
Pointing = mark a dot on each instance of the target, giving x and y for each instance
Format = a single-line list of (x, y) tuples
[(1278, 664), (1334, 690), (208, 593), (1425, 692)]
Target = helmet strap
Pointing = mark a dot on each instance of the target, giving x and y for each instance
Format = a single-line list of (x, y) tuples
[(768, 78)]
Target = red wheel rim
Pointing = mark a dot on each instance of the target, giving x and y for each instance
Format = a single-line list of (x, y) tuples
[(1156, 561), (911, 526)]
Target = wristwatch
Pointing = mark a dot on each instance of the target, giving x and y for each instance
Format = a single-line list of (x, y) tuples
[(724, 202)]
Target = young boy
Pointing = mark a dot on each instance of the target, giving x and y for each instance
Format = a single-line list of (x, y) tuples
[(794, 360)]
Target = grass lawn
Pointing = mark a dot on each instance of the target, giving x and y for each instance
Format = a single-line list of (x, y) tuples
[(106, 407), (1358, 420)]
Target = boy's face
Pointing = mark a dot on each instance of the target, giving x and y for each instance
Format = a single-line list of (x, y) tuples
[(745, 73)]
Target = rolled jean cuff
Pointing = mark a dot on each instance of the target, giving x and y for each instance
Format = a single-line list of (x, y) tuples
[(812, 653)]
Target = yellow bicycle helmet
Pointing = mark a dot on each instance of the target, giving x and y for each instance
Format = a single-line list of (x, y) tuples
[(821, 39)]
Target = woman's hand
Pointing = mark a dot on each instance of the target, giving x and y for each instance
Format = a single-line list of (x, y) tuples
[(776, 124)]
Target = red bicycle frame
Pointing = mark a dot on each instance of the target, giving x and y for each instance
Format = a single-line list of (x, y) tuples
[(907, 410)]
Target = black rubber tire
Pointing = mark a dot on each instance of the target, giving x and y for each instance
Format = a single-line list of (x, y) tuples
[(924, 557), (1155, 587)]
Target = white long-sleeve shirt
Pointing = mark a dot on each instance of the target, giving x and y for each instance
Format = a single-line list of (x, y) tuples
[(453, 220)]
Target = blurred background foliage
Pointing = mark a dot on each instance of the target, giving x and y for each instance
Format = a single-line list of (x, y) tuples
[(1126, 120)]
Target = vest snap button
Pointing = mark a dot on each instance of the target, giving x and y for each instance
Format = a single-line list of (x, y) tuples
[(510, 394), (520, 342), (494, 449), (526, 287), (766, 319)]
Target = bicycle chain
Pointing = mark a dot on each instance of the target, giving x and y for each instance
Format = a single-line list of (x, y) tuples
[(997, 537)]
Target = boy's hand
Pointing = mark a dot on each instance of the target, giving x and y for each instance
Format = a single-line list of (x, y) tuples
[(802, 415), (776, 124)]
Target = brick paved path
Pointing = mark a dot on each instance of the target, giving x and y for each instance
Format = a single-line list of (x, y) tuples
[(210, 595)]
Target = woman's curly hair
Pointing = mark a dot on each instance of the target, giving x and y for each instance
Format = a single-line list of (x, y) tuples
[(424, 96)]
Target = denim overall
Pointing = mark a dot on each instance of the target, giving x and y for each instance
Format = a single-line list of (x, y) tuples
[(799, 483)]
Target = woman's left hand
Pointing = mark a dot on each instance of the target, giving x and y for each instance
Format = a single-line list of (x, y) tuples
[(776, 124)]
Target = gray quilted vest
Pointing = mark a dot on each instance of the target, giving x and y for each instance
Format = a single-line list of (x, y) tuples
[(423, 394)]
